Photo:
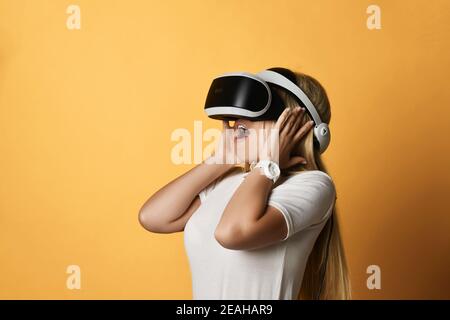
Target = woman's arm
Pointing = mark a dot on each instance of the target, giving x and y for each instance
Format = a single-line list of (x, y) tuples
[(247, 221), (169, 208)]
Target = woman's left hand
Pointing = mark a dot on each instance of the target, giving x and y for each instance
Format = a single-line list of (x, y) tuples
[(289, 134)]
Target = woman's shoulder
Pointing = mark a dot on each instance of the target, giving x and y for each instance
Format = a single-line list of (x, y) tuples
[(289, 178), (309, 174), (309, 178), (309, 191)]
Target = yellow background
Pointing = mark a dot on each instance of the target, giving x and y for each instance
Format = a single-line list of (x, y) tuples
[(86, 117)]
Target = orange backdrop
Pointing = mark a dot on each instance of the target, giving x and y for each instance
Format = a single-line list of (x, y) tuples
[(86, 117)]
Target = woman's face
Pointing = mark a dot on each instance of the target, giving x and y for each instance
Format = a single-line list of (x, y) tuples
[(247, 132), (242, 127)]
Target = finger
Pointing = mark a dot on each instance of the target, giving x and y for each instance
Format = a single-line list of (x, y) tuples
[(303, 130), (282, 118), (287, 124), (297, 120), (294, 121)]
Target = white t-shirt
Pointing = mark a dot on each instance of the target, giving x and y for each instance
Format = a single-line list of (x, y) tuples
[(274, 272)]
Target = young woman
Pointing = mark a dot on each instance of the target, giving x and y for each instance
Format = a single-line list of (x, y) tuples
[(248, 237)]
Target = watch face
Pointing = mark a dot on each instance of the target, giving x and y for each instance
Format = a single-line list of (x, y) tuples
[(272, 170)]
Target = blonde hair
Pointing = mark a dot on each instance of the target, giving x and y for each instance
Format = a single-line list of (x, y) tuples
[(336, 284)]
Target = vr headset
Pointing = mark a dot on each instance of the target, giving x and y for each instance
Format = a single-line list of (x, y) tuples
[(251, 96)]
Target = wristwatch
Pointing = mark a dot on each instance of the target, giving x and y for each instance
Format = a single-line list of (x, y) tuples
[(269, 168)]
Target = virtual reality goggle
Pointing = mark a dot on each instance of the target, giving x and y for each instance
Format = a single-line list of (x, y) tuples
[(251, 96)]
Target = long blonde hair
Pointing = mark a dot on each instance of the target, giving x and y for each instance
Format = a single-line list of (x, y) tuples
[(336, 284)]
